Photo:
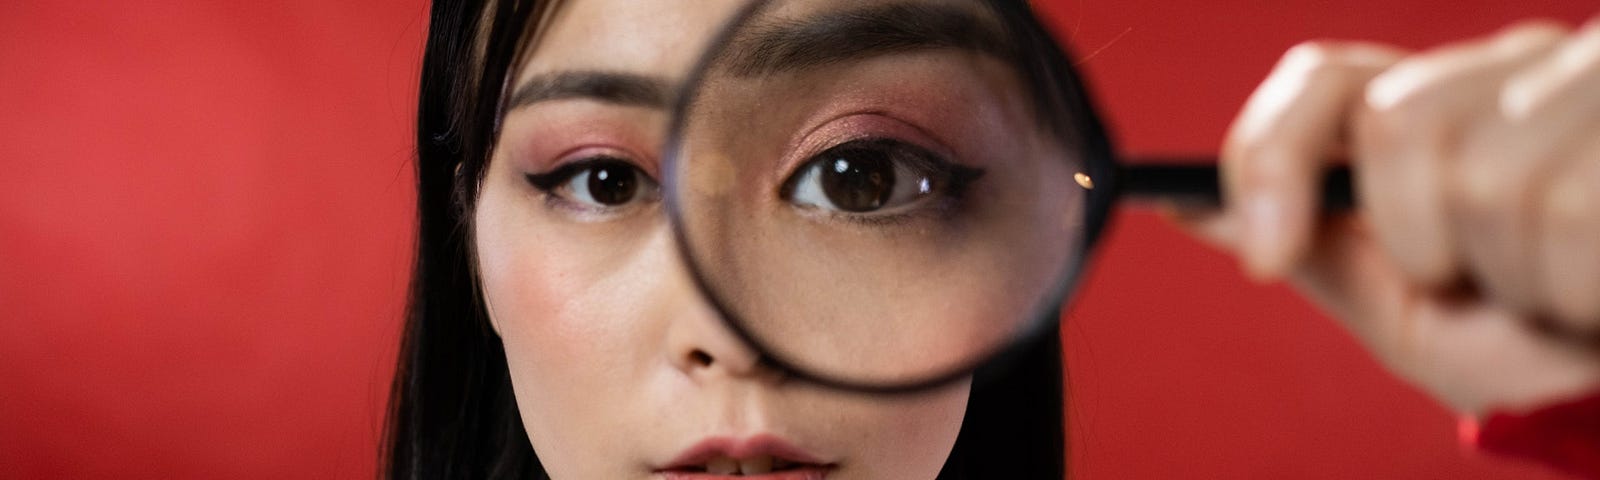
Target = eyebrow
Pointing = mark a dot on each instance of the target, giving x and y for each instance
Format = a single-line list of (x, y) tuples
[(856, 34), (611, 87)]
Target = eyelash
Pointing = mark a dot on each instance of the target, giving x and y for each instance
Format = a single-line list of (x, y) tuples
[(955, 179), (551, 184)]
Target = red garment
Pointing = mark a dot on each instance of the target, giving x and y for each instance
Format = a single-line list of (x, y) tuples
[(1564, 435)]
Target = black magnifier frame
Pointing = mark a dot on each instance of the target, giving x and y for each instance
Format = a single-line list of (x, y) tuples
[(1059, 89)]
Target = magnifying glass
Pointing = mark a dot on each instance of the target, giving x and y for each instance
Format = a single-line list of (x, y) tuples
[(884, 195)]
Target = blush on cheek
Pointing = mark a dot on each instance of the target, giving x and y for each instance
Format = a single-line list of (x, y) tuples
[(566, 352), (518, 282), (557, 293)]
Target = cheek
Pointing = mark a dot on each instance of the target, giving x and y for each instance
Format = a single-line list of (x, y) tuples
[(574, 311), (557, 291), (561, 304), (522, 272)]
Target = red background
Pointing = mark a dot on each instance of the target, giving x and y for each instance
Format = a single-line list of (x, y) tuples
[(205, 215)]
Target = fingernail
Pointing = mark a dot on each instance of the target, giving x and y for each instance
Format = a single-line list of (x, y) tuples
[(1264, 236)]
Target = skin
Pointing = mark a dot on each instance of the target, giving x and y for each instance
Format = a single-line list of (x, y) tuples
[(1476, 162), (617, 363), (989, 260)]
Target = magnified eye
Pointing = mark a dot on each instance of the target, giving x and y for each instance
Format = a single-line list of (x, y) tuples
[(873, 176), (600, 182)]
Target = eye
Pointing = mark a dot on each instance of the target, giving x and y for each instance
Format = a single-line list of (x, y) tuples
[(600, 182), (874, 176)]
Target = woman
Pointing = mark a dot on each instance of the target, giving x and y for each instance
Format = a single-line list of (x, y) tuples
[(589, 329), (554, 333)]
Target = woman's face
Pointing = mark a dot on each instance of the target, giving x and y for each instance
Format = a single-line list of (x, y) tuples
[(620, 369)]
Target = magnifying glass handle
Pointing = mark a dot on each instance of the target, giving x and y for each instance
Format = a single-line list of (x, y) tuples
[(1195, 182)]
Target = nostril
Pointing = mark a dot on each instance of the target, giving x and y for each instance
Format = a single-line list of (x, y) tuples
[(700, 358)]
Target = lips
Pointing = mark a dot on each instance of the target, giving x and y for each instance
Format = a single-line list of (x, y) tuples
[(763, 457)]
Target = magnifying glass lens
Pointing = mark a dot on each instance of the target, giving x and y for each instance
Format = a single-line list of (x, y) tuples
[(872, 193)]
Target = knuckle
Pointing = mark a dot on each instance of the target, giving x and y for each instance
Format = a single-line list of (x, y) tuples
[(1570, 73), (1575, 57), (1414, 91), (1415, 111), (1343, 53), (1380, 120), (1524, 39), (1316, 58), (1313, 50), (1424, 84), (1580, 59), (1533, 31)]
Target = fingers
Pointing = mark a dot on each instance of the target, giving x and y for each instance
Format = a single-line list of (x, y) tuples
[(1474, 356), (1558, 91), (1480, 357), (1554, 106), (1273, 157), (1475, 160), (1504, 164), (1569, 229), (1480, 159), (1414, 118)]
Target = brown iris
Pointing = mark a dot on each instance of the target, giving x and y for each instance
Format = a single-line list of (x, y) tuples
[(613, 183), (857, 179)]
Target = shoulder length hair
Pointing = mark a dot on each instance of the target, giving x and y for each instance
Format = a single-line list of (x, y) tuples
[(451, 411)]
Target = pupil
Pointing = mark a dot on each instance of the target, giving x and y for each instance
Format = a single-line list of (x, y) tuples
[(858, 180), (612, 184)]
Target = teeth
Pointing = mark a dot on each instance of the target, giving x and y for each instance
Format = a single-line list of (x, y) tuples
[(756, 466), (722, 466), (749, 466)]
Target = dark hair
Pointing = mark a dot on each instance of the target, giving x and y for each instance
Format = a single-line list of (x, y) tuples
[(452, 413)]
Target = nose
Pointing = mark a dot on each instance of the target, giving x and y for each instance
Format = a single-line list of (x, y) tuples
[(701, 347), (698, 343)]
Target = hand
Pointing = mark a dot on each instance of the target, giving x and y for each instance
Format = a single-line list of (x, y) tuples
[(1473, 267)]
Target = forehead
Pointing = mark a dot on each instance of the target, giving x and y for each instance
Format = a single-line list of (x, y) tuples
[(650, 37)]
